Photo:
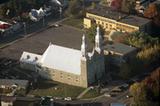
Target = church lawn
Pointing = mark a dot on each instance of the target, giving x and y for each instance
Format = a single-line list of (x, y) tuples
[(78, 23), (92, 93), (56, 89)]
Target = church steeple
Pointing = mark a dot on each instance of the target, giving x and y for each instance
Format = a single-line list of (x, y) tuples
[(84, 47), (98, 40)]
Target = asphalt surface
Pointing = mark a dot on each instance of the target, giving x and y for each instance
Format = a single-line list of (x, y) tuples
[(37, 43)]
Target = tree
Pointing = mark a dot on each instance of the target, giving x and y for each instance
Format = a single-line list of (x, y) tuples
[(153, 12), (146, 93), (93, 5), (3, 10), (140, 39), (91, 32), (149, 54), (74, 8)]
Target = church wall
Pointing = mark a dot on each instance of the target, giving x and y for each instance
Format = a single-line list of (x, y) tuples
[(84, 73), (63, 77), (96, 68)]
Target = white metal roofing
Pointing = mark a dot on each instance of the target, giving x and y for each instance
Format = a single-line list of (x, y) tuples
[(62, 58), (30, 58)]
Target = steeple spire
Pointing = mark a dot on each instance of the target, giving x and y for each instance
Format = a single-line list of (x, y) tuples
[(98, 40), (84, 46)]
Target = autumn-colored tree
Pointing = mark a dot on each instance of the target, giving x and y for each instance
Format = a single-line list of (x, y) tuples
[(151, 11), (146, 93), (116, 4), (149, 54)]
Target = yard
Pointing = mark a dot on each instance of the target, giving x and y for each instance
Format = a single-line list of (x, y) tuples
[(78, 23), (56, 89), (92, 93)]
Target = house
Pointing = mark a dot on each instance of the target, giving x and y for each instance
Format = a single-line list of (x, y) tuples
[(4, 26), (68, 65), (8, 86), (7, 100)]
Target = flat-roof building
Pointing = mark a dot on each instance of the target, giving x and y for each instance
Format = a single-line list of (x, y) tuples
[(118, 53), (114, 20)]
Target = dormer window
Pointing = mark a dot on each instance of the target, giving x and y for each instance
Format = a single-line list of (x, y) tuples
[(28, 56), (36, 58)]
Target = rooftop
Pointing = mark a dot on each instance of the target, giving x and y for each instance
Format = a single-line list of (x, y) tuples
[(118, 16), (62, 58), (119, 48)]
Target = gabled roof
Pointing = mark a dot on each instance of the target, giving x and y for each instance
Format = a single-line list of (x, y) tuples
[(62, 58), (30, 58)]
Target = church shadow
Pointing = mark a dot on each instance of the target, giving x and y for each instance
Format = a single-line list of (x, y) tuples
[(78, 104), (46, 84)]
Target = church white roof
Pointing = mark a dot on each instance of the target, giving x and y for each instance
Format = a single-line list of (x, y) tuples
[(30, 58), (62, 58)]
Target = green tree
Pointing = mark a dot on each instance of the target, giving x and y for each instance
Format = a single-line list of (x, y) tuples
[(75, 6), (140, 39), (3, 10), (91, 32)]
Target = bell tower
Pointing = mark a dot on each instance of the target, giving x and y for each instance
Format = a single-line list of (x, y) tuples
[(98, 41), (84, 47)]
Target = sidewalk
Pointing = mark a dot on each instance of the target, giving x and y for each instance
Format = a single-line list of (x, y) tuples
[(84, 92)]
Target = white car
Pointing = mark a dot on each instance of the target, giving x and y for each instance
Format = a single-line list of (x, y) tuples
[(68, 98), (56, 25), (107, 95)]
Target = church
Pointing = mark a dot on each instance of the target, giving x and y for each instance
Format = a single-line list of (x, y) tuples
[(68, 65)]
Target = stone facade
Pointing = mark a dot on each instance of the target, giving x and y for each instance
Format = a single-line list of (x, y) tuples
[(90, 72)]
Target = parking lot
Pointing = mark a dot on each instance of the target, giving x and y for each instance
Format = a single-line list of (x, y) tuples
[(37, 43)]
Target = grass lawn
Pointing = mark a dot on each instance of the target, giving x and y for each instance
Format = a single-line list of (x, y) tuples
[(48, 88), (91, 94), (78, 23)]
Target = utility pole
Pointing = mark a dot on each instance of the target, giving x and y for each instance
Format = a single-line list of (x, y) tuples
[(60, 12), (24, 26), (43, 21)]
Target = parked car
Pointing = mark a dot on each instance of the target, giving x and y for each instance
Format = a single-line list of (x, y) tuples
[(107, 95), (68, 98)]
